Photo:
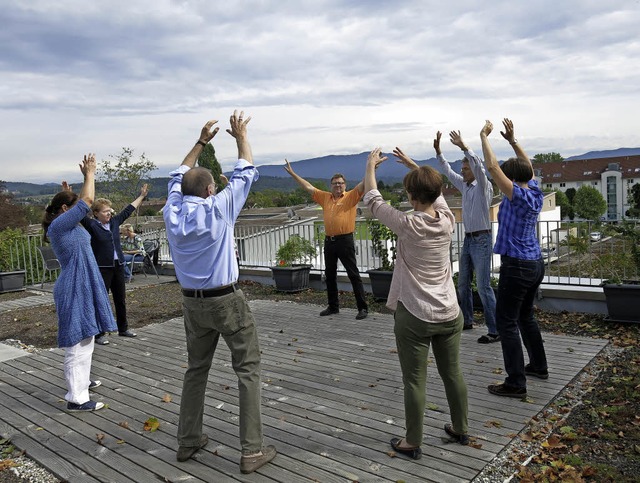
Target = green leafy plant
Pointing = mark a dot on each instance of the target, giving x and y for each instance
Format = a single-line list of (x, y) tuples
[(380, 235), (629, 234), (296, 250)]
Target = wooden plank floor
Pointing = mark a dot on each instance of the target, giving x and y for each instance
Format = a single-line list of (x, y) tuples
[(332, 399)]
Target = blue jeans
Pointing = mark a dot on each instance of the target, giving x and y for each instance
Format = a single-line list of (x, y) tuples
[(476, 257), (519, 282), (128, 257)]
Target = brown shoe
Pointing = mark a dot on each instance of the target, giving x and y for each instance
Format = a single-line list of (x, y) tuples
[(250, 463), (186, 452)]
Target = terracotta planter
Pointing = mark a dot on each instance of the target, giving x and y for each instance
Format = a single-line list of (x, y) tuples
[(622, 302), (380, 283), (291, 279), (12, 281)]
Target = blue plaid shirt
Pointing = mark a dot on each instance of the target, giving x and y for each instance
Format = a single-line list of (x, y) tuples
[(517, 223)]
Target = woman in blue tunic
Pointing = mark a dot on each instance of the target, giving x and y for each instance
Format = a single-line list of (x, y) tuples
[(81, 299)]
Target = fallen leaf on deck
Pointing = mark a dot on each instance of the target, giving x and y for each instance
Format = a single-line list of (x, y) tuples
[(99, 437), (166, 398), (151, 424)]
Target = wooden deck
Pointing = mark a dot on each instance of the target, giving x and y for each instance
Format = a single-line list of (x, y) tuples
[(332, 399)]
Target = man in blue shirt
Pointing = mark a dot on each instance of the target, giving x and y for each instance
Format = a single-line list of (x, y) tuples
[(476, 253), (200, 233)]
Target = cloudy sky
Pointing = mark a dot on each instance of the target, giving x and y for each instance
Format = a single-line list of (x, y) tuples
[(318, 77)]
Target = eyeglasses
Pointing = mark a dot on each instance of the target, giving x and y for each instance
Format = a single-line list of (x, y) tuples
[(337, 183)]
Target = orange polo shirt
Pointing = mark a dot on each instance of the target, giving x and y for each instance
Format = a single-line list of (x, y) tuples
[(339, 215)]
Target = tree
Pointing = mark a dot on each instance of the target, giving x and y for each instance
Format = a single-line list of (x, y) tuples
[(571, 194), (208, 159), (123, 179), (589, 203), (547, 158), (634, 201), (11, 215), (566, 208)]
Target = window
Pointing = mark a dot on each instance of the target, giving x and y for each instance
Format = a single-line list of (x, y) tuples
[(594, 183), (557, 175), (563, 185), (549, 185), (587, 173)]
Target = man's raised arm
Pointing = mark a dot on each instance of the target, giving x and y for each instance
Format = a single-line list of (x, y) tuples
[(206, 135), (308, 187), (239, 131)]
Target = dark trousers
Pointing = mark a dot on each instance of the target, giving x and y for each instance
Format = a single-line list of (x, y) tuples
[(519, 282), (342, 248), (114, 280)]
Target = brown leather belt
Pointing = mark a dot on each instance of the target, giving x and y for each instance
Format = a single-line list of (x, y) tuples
[(337, 237), (476, 233), (209, 292)]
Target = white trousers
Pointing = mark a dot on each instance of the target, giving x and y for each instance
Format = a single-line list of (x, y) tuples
[(77, 370)]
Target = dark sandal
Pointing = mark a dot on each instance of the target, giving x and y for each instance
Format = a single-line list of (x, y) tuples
[(413, 453), (463, 439)]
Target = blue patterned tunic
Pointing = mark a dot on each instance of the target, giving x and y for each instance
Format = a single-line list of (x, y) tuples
[(81, 298)]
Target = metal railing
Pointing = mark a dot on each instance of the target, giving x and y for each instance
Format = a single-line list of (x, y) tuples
[(573, 256)]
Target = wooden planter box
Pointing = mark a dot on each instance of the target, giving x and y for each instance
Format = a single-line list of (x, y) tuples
[(12, 281), (380, 283), (291, 279), (622, 302)]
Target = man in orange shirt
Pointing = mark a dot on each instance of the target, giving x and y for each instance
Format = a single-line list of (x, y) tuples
[(339, 211)]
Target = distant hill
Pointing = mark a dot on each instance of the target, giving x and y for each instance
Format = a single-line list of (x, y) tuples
[(273, 176), (613, 153), (350, 165)]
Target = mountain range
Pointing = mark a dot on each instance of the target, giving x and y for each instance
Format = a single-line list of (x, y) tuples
[(350, 165)]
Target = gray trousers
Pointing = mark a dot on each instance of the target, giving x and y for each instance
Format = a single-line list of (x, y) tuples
[(205, 319)]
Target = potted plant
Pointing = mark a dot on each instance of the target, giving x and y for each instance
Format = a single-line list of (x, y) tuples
[(477, 302), (383, 241), (10, 280), (291, 274), (622, 294)]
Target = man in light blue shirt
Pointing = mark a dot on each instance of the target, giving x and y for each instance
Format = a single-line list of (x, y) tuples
[(200, 227), (477, 193)]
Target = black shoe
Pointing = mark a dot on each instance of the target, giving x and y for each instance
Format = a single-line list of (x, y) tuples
[(88, 406), (507, 391), (362, 314), (413, 453), (467, 327), (463, 439), (186, 452), (94, 384), (127, 333), (329, 311), (489, 339), (530, 371)]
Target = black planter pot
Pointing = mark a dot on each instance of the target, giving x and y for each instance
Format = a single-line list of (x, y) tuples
[(291, 279), (12, 281), (622, 302), (380, 283)]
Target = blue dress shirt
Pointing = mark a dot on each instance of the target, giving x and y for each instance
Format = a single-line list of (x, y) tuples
[(476, 196), (200, 230)]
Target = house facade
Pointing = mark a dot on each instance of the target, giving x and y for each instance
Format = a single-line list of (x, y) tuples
[(612, 177)]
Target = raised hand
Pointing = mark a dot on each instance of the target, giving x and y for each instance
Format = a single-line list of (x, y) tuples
[(486, 129), (238, 125), (66, 186), (404, 159), (206, 134), (456, 140), (287, 167), (376, 158), (144, 191), (224, 180), (436, 143), (509, 133), (88, 165)]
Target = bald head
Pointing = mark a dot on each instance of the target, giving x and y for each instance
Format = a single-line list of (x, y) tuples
[(196, 182)]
